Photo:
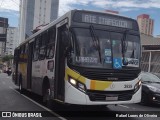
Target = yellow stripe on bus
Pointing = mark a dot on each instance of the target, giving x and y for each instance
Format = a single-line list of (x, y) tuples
[(93, 84), (74, 75), (99, 85)]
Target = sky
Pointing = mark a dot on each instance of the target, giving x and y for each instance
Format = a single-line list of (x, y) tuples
[(130, 8)]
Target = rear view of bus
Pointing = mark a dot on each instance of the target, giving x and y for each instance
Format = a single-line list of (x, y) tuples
[(103, 63)]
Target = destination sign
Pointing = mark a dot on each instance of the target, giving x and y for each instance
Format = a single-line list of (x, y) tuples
[(103, 19)]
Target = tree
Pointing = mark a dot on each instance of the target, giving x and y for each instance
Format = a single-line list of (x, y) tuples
[(7, 59)]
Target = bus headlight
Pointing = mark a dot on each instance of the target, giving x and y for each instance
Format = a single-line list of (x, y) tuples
[(80, 86), (72, 81), (137, 86)]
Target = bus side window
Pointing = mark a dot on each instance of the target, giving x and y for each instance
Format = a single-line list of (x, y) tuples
[(50, 51), (36, 49), (25, 54), (43, 39), (51, 35), (51, 43), (42, 51)]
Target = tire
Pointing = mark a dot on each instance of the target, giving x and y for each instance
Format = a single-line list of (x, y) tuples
[(21, 90), (47, 97)]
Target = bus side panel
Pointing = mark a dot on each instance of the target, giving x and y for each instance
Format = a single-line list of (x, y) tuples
[(22, 70), (37, 77), (39, 72)]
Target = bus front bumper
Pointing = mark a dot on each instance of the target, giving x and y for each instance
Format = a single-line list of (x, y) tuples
[(75, 96)]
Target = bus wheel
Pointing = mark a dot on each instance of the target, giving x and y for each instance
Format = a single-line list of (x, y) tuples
[(47, 97), (20, 84)]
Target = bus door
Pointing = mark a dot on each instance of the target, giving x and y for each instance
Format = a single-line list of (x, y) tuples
[(60, 63), (29, 66)]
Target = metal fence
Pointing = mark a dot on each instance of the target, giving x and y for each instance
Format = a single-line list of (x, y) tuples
[(151, 61)]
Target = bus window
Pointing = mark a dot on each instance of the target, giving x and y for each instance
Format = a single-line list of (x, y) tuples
[(133, 47), (116, 45), (42, 53), (37, 42), (36, 49), (26, 48), (50, 51), (52, 35), (35, 54), (43, 39)]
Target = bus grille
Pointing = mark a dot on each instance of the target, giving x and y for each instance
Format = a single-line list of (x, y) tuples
[(110, 75), (101, 95)]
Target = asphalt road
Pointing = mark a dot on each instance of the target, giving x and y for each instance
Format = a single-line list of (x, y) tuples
[(12, 100)]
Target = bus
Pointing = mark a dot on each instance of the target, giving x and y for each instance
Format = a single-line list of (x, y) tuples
[(82, 58)]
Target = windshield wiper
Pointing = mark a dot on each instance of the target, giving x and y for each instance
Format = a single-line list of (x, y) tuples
[(124, 47), (95, 41)]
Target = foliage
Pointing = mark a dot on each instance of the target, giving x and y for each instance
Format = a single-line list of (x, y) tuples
[(7, 58)]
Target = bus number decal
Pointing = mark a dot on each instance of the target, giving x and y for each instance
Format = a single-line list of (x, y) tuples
[(127, 86)]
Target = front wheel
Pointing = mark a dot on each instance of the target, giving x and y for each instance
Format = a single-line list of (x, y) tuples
[(47, 98), (20, 84)]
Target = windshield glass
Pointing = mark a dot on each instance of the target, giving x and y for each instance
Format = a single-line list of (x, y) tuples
[(148, 77), (86, 52), (132, 50)]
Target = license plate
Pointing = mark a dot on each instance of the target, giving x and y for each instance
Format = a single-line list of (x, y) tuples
[(111, 98)]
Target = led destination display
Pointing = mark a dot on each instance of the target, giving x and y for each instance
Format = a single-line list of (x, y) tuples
[(103, 19)]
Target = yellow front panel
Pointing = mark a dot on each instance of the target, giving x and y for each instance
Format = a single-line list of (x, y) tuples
[(99, 85), (74, 75), (94, 84)]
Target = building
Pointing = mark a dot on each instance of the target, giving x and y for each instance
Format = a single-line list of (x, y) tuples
[(150, 54), (34, 13), (12, 41), (3, 34), (158, 36), (145, 24)]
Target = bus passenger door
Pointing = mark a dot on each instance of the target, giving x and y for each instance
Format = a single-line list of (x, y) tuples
[(29, 66), (60, 64)]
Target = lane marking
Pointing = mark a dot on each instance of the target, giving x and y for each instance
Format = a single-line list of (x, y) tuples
[(47, 109), (123, 106)]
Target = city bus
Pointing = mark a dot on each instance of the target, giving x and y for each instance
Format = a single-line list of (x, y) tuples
[(82, 58)]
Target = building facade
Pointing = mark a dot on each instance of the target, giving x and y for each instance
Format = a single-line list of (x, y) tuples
[(146, 24), (3, 34), (150, 54), (34, 13), (12, 41)]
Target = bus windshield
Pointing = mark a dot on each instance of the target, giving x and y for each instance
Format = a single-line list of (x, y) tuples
[(109, 55)]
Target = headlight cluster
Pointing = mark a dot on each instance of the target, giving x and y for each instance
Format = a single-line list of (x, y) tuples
[(77, 84), (137, 86), (154, 89)]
